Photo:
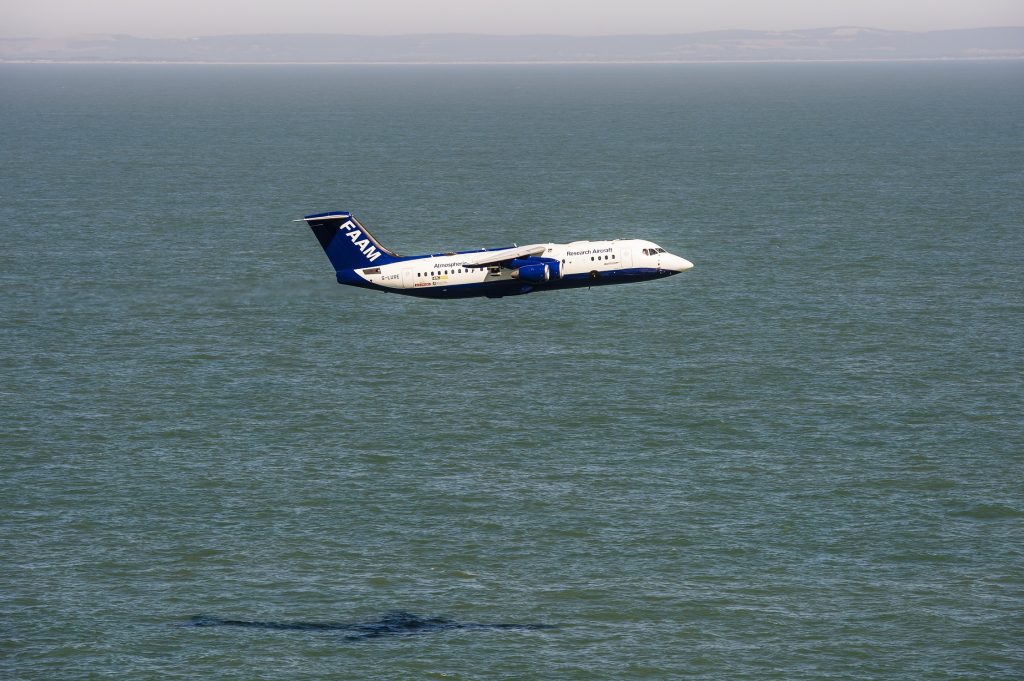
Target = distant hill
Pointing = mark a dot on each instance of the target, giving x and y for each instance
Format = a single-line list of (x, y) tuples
[(805, 45)]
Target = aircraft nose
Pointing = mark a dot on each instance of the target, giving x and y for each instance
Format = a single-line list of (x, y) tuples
[(676, 264)]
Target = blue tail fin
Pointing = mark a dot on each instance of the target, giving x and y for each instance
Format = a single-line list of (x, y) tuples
[(347, 243)]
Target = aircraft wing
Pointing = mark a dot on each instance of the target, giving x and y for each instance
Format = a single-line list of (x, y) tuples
[(485, 258)]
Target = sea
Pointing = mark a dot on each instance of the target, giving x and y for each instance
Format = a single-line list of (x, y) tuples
[(801, 459)]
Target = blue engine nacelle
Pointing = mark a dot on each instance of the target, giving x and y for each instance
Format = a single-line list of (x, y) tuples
[(536, 270), (536, 274)]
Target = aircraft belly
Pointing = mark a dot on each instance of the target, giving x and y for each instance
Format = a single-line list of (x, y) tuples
[(511, 287)]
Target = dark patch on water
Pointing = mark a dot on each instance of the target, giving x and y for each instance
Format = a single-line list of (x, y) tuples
[(391, 624), (989, 512)]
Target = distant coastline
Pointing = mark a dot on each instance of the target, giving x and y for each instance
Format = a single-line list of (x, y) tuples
[(837, 44), (125, 62)]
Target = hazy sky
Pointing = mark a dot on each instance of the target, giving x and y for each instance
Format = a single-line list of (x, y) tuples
[(185, 18)]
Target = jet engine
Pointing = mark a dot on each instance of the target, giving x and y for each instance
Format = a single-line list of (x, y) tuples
[(536, 270), (533, 273)]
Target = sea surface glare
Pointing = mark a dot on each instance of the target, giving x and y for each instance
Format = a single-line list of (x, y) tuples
[(801, 459)]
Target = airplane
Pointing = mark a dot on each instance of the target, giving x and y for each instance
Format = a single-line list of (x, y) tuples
[(360, 260)]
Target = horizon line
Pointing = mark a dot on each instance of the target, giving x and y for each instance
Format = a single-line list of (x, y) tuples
[(154, 62), (513, 35)]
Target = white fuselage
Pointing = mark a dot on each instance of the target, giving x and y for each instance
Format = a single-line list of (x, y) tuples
[(576, 258)]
